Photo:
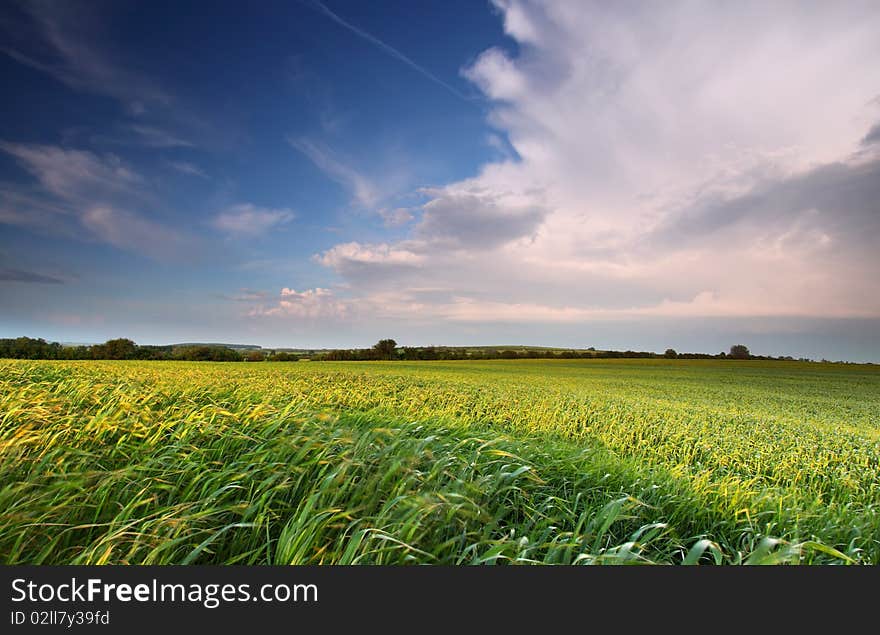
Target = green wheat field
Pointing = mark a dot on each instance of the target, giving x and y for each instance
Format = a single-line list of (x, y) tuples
[(495, 462)]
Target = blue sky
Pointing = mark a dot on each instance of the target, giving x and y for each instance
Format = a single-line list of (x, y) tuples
[(326, 174)]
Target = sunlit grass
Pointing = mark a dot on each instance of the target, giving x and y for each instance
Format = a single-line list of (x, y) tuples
[(586, 462)]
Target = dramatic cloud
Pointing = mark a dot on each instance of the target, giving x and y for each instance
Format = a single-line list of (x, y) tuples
[(249, 220), (873, 135), (478, 219), (675, 160)]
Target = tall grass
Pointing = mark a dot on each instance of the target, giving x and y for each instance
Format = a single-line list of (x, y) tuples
[(542, 462)]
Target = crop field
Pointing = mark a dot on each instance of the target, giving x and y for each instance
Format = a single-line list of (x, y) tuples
[(495, 462)]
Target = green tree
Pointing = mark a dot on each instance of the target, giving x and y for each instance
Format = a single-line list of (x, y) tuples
[(29, 348), (670, 353), (385, 349), (739, 351), (201, 353), (120, 348)]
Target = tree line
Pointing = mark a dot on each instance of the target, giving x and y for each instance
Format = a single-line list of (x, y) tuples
[(387, 349), (120, 348)]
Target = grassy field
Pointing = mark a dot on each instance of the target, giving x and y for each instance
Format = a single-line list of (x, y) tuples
[(533, 461)]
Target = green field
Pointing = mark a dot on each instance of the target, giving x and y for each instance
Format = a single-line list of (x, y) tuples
[(533, 461)]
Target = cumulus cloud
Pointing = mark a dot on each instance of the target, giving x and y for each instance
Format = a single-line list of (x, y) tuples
[(478, 219), (347, 255), (317, 303), (250, 220), (680, 160)]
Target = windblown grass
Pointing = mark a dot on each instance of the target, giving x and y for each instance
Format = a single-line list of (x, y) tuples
[(586, 462)]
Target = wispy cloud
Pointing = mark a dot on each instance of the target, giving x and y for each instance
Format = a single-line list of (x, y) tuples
[(396, 217), (249, 220), (365, 191), (73, 174), (20, 275), (69, 31), (246, 295), (81, 190), (158, 138), (386, 48), (35, 211), (185, 167), (132, 231)]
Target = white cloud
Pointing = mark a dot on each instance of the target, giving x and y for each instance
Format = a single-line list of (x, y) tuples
[(674, 160), (249, 220), (473, 217), (308, 293), (317, 303), (347, 254)]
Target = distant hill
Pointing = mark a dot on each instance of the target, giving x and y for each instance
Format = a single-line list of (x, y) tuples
[(497, 348), (514, 347), (235, 347), (299, 351), (312, 351)]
